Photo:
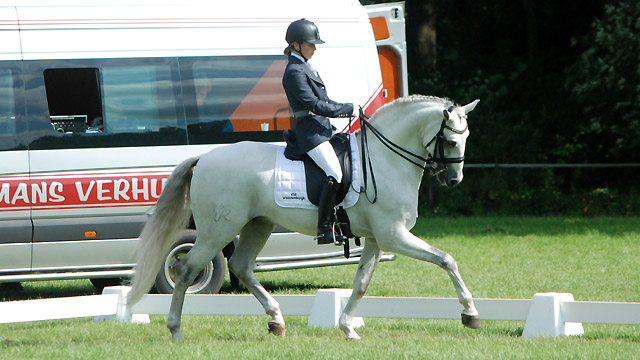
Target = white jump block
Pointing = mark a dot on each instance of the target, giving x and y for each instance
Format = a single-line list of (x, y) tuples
[(328, 305), (123, 313), (546, 319)]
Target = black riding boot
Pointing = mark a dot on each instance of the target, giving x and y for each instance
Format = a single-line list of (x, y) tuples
[(326, 211)]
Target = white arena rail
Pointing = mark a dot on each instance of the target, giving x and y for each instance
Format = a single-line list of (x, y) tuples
[(545, 315)]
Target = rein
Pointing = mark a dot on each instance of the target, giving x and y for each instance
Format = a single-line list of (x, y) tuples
[(417, 160)]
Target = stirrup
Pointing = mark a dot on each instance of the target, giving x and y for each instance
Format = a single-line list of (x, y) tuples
[(338, 238), (324, 239), (331, 236)]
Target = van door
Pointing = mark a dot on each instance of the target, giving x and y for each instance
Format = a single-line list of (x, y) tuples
[(15, 187), (388, 25)]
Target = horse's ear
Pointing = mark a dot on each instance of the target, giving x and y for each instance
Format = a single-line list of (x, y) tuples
[(445, 113), (470, 106)]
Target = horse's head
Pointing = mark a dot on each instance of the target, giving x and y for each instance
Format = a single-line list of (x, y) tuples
[(448, 148)]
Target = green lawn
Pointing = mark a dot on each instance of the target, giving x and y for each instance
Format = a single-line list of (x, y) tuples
[(504, 257)]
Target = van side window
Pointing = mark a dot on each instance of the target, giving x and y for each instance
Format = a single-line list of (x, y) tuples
[(74, 100), (93, 103), (138, 98), (7, 104), (234, 98), (12, 122)]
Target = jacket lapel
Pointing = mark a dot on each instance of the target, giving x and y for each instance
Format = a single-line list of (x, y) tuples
[(307, 70)]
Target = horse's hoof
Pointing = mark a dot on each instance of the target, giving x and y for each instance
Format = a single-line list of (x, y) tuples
[(277, 329), (355, 337), (177, 336), (472, 322)]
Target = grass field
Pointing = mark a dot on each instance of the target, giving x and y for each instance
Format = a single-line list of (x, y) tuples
[(505, 257)]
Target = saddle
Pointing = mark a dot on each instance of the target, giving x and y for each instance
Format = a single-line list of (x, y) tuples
[(315, 179), (315, 176)]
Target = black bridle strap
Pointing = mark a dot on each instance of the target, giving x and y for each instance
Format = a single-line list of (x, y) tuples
[(366, 160), (402, 152), (397, 149), (364, 143)]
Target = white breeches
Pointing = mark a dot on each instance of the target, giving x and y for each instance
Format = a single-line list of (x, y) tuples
[(326, 158)]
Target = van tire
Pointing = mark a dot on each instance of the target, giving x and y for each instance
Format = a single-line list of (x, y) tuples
[(208, 281)]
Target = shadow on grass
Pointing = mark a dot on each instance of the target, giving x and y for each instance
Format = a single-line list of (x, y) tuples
[(52, 289), (42, 290), (280, 287)]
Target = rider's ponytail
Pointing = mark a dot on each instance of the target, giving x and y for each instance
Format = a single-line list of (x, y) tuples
[(287, 50)]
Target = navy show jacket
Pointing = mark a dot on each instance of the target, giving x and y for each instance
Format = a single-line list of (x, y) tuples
[(310, 103)]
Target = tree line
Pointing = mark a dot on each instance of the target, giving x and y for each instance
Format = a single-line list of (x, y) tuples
[(559, 83)]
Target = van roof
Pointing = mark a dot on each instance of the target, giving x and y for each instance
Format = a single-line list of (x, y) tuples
[(245, 3), (72, 29)]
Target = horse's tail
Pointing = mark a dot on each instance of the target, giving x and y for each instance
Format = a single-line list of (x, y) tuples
[(168, 221)]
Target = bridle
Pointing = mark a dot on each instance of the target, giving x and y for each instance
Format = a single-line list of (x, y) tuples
[(436, 163), (438, 159)]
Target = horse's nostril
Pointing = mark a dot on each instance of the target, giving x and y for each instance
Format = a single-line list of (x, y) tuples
[(453, 182)]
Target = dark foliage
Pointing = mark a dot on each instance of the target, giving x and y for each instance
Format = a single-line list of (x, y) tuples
[(558, 83)]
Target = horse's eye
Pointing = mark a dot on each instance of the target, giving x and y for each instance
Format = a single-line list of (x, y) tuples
[(451, 143)]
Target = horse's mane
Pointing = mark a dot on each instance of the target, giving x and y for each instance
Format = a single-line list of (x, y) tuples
[(410, 99)]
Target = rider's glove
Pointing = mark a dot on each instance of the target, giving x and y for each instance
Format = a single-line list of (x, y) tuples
[(356, 110)]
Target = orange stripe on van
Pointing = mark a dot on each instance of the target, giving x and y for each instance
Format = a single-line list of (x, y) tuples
[(266, 103), (380, 29)]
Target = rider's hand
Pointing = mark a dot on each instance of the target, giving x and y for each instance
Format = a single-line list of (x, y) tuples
[(356, 110)]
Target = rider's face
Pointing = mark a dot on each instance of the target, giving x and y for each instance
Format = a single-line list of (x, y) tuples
[(308, 49)]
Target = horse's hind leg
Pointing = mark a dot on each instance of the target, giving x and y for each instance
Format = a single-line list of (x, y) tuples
[(186, 270), (404, 242), (252, 239), (368, 260)]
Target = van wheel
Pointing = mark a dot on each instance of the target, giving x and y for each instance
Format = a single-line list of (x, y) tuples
[(208, 281)]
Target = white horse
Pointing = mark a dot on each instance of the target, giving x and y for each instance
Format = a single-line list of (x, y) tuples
[(231, 191)]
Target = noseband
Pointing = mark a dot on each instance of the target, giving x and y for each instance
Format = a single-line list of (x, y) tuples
[(436, 163)]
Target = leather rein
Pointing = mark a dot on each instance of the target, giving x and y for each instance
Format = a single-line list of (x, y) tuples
[(436, 163)]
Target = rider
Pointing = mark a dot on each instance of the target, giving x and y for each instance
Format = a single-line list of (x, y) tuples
[(311, 108)]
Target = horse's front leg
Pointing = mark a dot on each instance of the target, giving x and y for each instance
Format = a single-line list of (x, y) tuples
[(404, 242), (369, 259)]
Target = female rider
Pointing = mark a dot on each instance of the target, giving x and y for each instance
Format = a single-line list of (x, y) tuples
[(312, 108)]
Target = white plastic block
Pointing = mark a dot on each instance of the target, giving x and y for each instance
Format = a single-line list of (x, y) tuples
[(545, 318), (123, 313), (328, 305)]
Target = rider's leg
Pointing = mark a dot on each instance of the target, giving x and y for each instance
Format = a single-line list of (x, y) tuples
[(326, 158), (326, 206)]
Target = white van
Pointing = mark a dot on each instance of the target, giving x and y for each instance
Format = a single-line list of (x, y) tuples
[(99, 100)]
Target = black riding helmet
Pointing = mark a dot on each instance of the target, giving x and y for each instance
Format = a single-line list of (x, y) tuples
[(303, 30)]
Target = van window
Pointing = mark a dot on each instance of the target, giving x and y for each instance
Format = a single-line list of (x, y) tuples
[(233, 98), (7, 104), (73, 96), (106, 103), (138, 98), (12, 123)]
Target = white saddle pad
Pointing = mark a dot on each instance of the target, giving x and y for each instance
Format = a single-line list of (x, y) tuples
[(291, 184)]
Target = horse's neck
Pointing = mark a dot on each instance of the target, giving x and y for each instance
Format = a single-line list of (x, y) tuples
[(407, 128), (411, 126)]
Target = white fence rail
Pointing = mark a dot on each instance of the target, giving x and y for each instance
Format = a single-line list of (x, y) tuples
[(546, 314)]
